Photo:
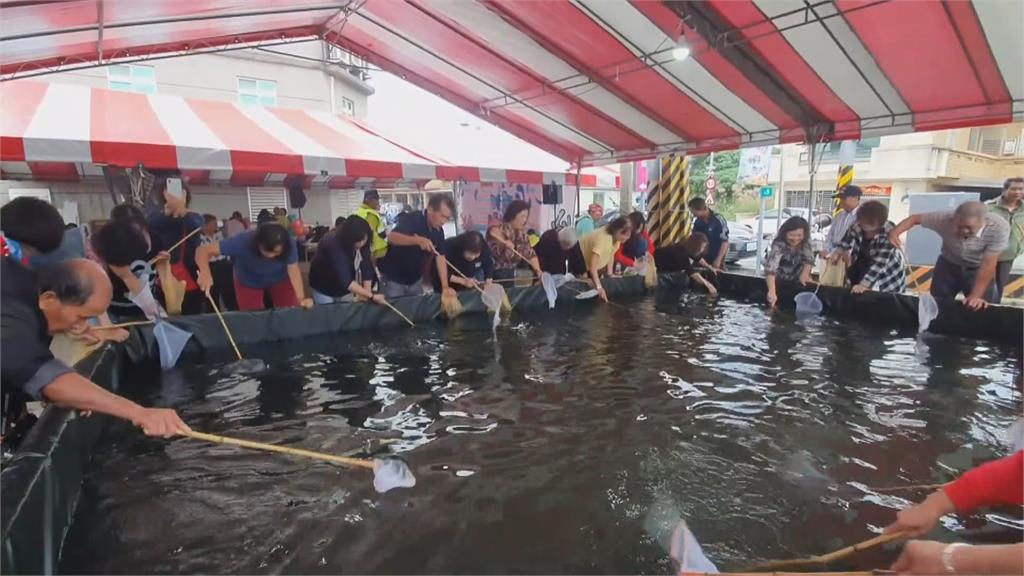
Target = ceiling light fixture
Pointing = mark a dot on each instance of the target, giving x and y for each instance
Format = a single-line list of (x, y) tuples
[(682, 50)]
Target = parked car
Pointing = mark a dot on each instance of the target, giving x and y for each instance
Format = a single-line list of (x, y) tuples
[(819, 227), (772, 220), (742, 242)]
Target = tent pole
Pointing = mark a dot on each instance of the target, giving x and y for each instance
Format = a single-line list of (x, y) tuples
[(579, 189)]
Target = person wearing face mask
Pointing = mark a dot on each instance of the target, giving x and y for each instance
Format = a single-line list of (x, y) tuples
[(510, 244), (265, 260), (790, 258), (599, 249), (973, 239), (872, 261)]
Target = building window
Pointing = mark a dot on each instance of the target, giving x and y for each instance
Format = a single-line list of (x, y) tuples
[(995, 141), (830, 150), (254, 92), (266, 199), (132, 78), (39, 193), (348, 106)]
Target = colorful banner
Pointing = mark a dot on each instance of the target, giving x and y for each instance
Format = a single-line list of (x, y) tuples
[(483, 204), (754, 164)]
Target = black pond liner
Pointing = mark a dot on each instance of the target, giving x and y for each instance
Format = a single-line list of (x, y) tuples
[(41, 484)]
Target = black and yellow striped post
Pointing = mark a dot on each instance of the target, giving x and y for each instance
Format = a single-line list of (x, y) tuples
[(666, 202), (681, 222), (845, 177), (847, 156)]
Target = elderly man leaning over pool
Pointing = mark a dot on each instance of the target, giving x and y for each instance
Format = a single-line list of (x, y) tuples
[(972, 241), (63, 299)]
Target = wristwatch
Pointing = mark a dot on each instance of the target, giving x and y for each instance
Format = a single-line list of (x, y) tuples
[(947, 557)]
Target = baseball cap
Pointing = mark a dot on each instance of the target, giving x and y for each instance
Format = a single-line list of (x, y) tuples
[(850, 191)]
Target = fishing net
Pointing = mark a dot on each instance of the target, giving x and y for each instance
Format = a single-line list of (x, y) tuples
[(245, 366), (144, 299), (173, 289), (496, 300), (170, 341), (550, 288), (665, 524), (450, 305), (686, 552), (650, 273), (808, 303), (927, 310), (562, 279), (1015, 435), (390, 473)]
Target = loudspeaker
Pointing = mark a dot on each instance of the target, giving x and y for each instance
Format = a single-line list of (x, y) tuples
[(551, 194), (296, 197)]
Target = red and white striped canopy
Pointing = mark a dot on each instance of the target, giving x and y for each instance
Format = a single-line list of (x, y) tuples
[(594, 81), (54, 131)]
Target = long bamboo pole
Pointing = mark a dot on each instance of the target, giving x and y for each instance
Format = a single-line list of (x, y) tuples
[(121, 325), (345, 461), (176, 244), (830, 557), (397, 311), (225, 325)]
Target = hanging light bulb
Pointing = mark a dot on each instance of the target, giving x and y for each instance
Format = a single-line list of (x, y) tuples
[(682, 50)]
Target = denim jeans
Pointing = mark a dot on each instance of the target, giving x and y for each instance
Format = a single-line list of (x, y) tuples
[(319, 298), (392, 289)]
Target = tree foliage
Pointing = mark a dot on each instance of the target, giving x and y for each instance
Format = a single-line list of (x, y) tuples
[(727, 165)]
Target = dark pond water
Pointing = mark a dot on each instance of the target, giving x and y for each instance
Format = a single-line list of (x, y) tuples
[(568, 443)]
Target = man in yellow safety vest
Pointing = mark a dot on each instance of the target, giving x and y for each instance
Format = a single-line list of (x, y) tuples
[(370, 211)]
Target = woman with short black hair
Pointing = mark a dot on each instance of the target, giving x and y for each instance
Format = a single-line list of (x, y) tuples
[(510, 244), (120, 244), (469, 254), (342, 269), (265, 260)]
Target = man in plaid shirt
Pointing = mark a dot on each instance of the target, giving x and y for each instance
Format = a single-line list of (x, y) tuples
[(873, 262)]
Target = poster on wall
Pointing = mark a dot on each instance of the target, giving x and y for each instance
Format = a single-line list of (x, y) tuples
[(754, 164), (484, 203)]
